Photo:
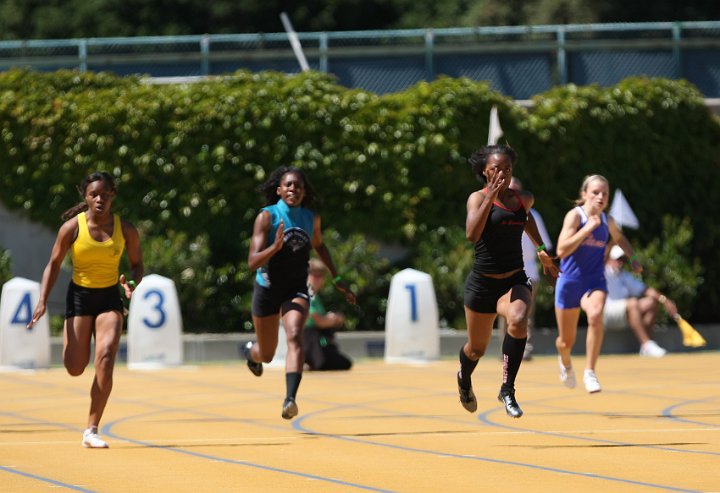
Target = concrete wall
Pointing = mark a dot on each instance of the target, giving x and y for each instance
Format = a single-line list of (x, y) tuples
[(30, 245), (207, 348)]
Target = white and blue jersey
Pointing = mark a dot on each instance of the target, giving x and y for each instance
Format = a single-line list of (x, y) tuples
[(289, 265), (583, 271), (588, 260)]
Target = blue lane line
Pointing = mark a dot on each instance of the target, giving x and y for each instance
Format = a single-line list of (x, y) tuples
[(668, 413), (46, 480), (484, 419), (298, 425), (107, 430), (42, 422)]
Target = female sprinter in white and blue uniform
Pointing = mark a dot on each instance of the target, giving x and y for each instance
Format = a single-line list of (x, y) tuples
[(581, 247), (285, 230), (497, 283)]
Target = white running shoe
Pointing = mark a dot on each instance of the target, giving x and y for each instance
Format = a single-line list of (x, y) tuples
[(567, 375), (591, 382), (92, 440), (652, 350)]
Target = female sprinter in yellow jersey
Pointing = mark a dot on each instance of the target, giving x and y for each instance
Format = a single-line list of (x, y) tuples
[(96, 239)]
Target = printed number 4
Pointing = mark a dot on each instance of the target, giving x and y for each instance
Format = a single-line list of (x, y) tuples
[(413, 302), (23, 314)]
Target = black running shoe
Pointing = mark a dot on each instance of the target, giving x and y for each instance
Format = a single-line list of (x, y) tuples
[(290, 409), (512, 408), (255, 368), (467, 397)]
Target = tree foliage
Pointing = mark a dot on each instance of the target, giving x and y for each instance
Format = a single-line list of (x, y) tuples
[(392, 168), (34, 19)]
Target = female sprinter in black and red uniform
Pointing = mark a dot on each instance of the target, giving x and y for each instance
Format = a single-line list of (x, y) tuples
[(497, 283)]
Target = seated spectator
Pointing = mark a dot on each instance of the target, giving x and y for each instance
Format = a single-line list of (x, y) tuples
[(321, 350), (631, 303)]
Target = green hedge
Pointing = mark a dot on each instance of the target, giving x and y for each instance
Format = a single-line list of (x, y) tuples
[(391, 168)]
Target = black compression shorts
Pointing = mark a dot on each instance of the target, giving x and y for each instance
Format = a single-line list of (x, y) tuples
[(482, 293), (82, 301), (269, 301)]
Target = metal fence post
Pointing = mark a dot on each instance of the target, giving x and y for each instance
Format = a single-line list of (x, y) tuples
[(323, 53), (82, 55), (429, 59), (561, 56), (205, 54), (676, 52)]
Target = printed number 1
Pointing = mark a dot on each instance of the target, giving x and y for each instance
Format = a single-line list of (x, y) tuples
[(413, 302), (23, 314)]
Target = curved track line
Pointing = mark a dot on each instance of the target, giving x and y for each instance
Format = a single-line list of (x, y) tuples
[(107, 430), (298, 425), (45, 480)]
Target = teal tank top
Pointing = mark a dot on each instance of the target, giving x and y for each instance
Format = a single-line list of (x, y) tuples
[(288, 266)]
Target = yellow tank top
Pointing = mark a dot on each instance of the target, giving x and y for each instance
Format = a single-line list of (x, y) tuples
[(96, 264)]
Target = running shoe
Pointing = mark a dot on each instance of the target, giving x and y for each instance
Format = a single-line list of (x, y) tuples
[(512, 408), (255, 368), (290, 409), (467, 397), (92, 440), (652, 349), (567, 375), (527, 353), (591, 382)]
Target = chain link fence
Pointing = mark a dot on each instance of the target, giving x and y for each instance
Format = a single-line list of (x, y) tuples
[(517, 61)]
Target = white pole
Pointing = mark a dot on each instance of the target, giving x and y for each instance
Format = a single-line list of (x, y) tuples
[(294, 42)]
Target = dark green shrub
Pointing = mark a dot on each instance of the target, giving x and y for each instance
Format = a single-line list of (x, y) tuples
[(669, 267), (5, 266), (392, 168)]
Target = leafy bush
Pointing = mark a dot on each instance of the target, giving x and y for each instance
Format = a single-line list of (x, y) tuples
[(186, 262), (447, 256), (669, 267), (390, 168), (367, 273), (5, 266)]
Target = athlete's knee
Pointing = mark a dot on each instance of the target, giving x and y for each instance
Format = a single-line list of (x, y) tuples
[(266, 355), (595, 318), (517, 322), (73, 367), (564, 342), (475, 353)]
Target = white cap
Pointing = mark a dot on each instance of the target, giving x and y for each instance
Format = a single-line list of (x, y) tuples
[(616, 252)]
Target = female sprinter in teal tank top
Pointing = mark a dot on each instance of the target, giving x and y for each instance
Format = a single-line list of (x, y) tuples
[(285, 231)]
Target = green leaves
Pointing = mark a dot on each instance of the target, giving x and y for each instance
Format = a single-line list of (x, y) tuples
[(188, 157)]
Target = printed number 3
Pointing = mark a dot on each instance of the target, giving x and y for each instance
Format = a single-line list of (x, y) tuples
[(158, 307), (413, 302)]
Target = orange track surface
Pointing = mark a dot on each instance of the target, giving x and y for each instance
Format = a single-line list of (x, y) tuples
[(655, 427)]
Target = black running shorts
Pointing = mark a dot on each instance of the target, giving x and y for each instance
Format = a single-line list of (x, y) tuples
[(82, 301), (482, 293), (268, 301)]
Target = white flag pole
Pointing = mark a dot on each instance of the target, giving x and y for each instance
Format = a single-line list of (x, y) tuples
[(621, 212), (495, 131), (294, 42)]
